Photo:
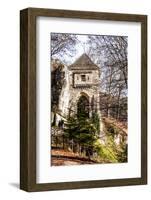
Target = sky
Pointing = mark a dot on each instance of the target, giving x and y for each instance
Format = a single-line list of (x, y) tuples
[(80, 47)]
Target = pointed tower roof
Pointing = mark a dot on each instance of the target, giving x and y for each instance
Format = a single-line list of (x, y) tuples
[(83, 63)]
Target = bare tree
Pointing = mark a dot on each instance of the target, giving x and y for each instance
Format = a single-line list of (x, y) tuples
[(63, 43), (110, 53)]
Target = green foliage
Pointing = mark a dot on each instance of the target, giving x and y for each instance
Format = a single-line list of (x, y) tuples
[(83, 107), (96, 121), (110, 151), (81, 130), (71, 128), (119, 151), (107, 151), (85, 132)]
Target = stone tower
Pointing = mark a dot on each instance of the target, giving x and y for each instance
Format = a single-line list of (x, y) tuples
[(84, 83), (81, 83)]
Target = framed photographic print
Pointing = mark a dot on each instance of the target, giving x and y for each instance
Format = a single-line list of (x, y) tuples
[(83, 92)]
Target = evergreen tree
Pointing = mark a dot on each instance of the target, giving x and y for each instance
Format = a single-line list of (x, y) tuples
[(96, 121), (82, 131)]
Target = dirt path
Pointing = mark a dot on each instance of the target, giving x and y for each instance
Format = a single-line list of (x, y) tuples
[(61, 157)]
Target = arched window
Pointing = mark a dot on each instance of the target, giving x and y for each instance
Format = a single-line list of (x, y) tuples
[(83, 106)]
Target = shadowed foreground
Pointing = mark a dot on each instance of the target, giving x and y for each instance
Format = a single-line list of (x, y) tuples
[(61, 157)]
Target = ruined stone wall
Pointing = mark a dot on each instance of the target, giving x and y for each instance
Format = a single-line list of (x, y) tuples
[(65, 94)]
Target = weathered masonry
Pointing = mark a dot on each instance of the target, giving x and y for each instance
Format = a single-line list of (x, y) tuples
[(81, 85)]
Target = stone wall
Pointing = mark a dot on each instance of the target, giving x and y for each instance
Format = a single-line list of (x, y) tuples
[(74, 88)]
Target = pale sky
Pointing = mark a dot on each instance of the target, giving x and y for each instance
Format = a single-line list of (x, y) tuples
[(80, 47)]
